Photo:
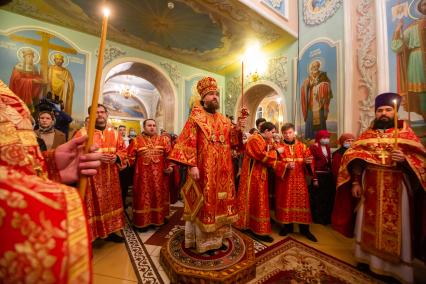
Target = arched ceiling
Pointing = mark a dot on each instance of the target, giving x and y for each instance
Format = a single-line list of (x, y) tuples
[(208, 34)]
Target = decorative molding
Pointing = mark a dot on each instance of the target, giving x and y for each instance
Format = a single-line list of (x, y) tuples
[(367, 61), (277, 72), (173, 71), (111, 53), (280, 7), (315, 16), (233, 90)]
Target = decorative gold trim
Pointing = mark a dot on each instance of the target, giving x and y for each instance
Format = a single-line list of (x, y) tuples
[(388, 141), (222, 195), (147, 210), (106, 216), (40, 197)]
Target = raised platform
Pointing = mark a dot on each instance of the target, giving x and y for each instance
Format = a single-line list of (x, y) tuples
[(235, 264)]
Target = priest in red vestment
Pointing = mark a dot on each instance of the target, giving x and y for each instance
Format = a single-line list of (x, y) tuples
[(204, 145), (104, 206), (389, 177), (43, 229), (291, 191), (150, 187), (253, 195), (344, 223)]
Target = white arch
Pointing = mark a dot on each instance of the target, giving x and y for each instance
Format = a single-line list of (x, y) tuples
[(273, 86), (120, 60)]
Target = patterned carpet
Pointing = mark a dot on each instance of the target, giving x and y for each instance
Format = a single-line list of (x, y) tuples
[(290, 261), (287, 261)]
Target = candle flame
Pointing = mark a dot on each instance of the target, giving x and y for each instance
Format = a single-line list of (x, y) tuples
[(106, 12), (394, 101)]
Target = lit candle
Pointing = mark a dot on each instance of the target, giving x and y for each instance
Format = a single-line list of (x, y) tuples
[(95, 97), (242, 84), (395, 108)]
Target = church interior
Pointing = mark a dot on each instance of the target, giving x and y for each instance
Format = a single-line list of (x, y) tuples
[(267, 57)]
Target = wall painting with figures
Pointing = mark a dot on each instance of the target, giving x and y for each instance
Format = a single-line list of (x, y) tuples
[(406, 48), (36, 62), (317, 91)]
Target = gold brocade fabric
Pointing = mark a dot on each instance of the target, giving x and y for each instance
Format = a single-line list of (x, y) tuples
[(206, 142), (381, 228), (291, 192), (253, 202), (150, 192), (43, 228), (104, 206)]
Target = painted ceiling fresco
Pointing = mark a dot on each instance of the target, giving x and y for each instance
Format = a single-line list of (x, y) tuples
[(208, 34)]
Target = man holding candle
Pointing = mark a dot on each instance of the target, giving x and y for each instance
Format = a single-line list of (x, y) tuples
[(204, 145), (391, 180), (103, 193), (291, 191)]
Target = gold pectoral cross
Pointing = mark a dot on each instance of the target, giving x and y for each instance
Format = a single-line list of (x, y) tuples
[(383, 155)]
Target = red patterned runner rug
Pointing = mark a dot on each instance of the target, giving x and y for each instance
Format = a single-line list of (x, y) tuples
[(166, 231)]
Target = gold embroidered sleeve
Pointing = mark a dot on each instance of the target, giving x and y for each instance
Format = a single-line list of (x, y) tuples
[(185, 149)]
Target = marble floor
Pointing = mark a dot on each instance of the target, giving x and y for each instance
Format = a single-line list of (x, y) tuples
[(111, 262)]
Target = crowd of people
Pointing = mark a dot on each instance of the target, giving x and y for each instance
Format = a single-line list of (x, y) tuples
[(228, 178)]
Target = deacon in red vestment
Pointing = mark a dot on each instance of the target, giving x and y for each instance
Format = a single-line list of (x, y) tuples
[(344, 223), (43, 229), (103, 195), (291, 191), (390, 177), (253, 201), (150, 182), (323, 189), (204, 145)]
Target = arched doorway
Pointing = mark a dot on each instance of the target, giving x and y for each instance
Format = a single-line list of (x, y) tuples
[(153, 94), (267, 95)]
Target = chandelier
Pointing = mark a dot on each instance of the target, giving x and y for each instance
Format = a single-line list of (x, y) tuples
[(127, 92)]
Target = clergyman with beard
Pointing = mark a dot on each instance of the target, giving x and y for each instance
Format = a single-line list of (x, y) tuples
[(204, 146), (104, 206), (389, 182)]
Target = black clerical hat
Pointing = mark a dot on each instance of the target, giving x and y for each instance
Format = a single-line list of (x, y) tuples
[(386, 99)]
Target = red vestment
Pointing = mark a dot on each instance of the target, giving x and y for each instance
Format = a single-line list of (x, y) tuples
[(21, 83), (291, 191), (150, 190), (340, 219), (43, 229), (253, 201), (205, 142), (385, 183), (104, 206)]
